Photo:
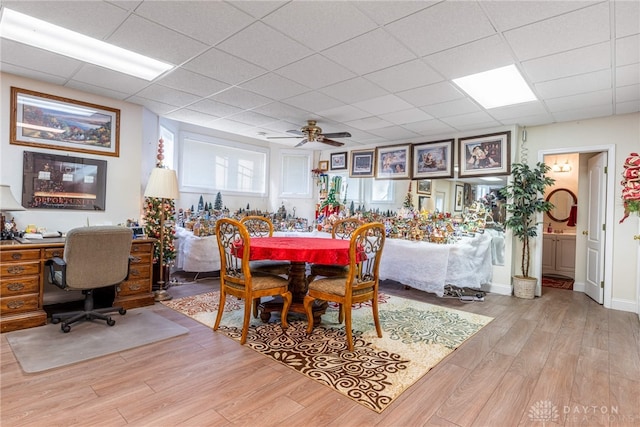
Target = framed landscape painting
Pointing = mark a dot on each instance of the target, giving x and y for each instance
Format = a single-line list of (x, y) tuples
[(362, 163), (433, 159), (392, 162), (424, 186), (485, 155), (48, 121)]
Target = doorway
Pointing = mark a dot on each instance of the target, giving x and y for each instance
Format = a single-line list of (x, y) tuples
[(605, 274)]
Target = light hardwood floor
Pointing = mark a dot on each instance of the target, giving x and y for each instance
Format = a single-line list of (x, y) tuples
[(561, 349)]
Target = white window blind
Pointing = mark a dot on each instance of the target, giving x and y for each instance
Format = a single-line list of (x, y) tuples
[(296, 175)]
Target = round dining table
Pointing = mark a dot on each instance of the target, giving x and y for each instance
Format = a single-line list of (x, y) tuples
[(299, 251)]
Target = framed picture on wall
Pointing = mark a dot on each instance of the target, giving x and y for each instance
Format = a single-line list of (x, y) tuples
[(485, 155), (424, 186), (48, 121), (433, 159), (392, 162), (458, 202), (51, 181), (323, 165), (362, 163), (338, 161)]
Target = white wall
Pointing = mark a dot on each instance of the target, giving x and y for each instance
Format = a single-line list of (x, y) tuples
[(123, 199)]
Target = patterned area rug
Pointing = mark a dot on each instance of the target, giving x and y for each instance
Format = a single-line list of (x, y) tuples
[(416, 336), (560, 282)]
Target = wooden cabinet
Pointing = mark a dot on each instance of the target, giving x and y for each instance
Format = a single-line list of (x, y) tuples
[(559, 254), (23, 280)]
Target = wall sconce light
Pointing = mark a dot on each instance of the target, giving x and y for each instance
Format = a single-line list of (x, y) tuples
[(564, 168)]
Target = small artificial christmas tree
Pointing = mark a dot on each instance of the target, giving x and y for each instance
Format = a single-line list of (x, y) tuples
[(218, 205), (408, 200)]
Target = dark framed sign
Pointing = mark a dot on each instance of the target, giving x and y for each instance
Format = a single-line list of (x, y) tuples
[(485, 155), (48, 121), (51, 181), (362, 164), (338, 161)]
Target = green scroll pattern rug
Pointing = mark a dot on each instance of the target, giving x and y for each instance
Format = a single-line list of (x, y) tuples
[(416, 336)]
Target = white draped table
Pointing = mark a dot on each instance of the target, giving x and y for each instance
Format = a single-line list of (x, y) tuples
[(420, 265)]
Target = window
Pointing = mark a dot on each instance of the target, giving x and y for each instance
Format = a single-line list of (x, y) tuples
[(381, 191), (209, 164), (295, 175), (366, 190)]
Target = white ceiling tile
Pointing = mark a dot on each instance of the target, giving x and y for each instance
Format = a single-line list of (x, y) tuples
[(468, 119), (511, 14), (584, 113), (477, 127), (581, 101), (215, 108), (405, 76), (264, 46), (369, 52), (628, 93), (191, 82), (224, 67), (432, 94), (143, 36), (315, 72), (394, 133), (628, 75), (383, 104), (368, 123), (524, 109), (108, 79), (252, 118), (241, 98), (344, 113), (283, 112), (429, 127), (230, 126), (384, 12), (257, 8), (274, 86), (443, 26), (313, 101), (195, 19), (627, 107), (628, 50), (167, 95), (627, 15), (151, 105), (27, 57), (536, 120), (471, 58), (32, 74), (589, 82), (354, 90), (343, 18), (89, 88), (574, 62), (451, 108), (406, 116), (581, 28), (190, 116)]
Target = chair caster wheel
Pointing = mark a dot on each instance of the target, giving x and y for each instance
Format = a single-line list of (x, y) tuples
[(111, 322), (122, 311), (65, 328), (55, 321)]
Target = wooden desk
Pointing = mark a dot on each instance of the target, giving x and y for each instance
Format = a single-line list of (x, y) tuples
[(23, 278)]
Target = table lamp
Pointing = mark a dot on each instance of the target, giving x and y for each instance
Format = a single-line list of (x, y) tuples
[(7, 203), (163, 184)]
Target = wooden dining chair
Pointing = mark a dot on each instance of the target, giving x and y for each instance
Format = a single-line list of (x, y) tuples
[(236, 279), (360, 284), (342, 229)]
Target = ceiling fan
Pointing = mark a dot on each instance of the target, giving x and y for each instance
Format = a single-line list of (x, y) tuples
[(312, 133)]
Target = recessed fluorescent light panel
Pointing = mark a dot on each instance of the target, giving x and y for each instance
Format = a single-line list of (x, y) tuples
[(497, 88), (25, 29)]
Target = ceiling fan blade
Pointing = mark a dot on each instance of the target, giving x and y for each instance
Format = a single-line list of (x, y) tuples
[(295, 132), (304, 141), (283, 137), (331, 142), (337, 135)]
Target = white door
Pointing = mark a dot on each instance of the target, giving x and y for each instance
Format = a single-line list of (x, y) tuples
[(595, 222)]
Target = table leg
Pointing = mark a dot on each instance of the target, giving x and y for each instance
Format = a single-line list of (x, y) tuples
[(298, 286)]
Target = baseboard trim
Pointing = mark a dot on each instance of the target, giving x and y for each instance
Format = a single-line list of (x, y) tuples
[(497, 288)]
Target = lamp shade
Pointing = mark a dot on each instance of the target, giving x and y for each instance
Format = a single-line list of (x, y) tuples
[(7, 201), (162, 184)]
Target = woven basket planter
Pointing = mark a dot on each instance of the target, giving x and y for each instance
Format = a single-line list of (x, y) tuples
[(524, 287)]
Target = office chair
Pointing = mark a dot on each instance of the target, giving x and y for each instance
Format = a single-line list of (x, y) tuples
[(94, 257)]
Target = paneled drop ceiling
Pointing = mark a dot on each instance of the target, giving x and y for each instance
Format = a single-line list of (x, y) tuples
[(380, 70)]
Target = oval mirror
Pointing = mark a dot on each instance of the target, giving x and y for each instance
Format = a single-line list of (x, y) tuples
[(562, 200)]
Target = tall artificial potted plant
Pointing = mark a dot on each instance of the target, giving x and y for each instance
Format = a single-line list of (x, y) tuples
[(525, 199)]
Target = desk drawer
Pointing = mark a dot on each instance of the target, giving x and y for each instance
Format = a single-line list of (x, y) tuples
[(53, 253), (140, 258), (19, 286), (18, 304), (139, 271), (133, 287), (19, 269), (19, 255), (138, 248)]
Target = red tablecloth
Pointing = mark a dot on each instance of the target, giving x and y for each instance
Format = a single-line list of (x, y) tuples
[(301, 249)]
